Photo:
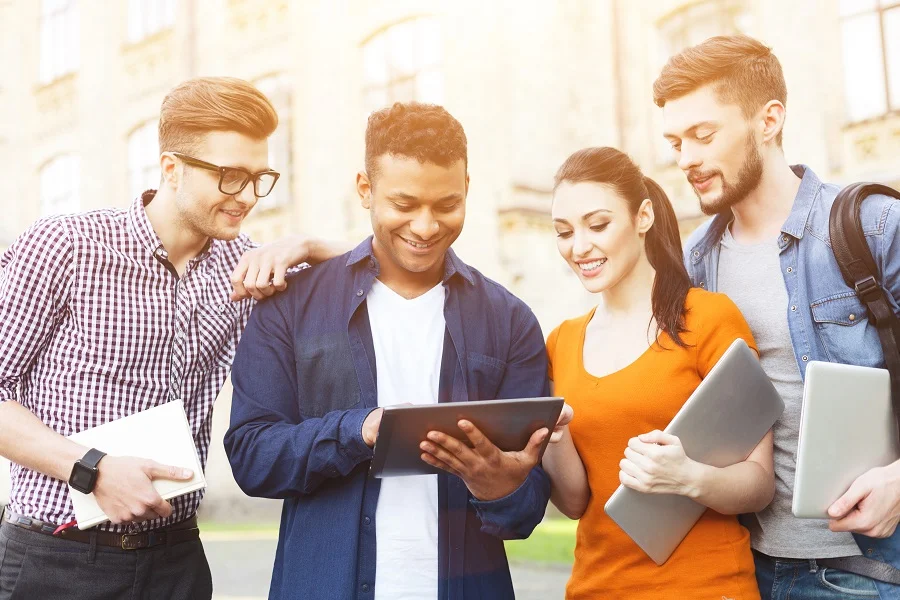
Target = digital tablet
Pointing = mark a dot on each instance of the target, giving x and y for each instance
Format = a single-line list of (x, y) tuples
[(720, 424), (509, 424), (847, 426)]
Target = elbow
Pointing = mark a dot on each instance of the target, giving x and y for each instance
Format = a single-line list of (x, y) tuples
[(573, 508), (572, 513), (766, 495)]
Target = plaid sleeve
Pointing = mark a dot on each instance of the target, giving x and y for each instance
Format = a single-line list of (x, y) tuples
[(36, 273)]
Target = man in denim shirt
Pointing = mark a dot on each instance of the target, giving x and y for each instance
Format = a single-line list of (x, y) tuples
[(767, 247), (400, 319)]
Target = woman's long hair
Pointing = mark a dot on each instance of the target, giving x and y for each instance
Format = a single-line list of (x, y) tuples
[(663, 240)]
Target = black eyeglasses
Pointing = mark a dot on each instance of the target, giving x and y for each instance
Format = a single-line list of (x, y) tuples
[(233, 180)]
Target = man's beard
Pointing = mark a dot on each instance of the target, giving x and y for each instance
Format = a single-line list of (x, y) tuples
[(748, 179)]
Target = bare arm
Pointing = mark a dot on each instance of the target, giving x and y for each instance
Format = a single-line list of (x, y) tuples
[(569, 490), (655, 463), (261, 271), (25, 440)]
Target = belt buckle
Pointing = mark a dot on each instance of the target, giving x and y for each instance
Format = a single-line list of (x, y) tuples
[(128, 536)]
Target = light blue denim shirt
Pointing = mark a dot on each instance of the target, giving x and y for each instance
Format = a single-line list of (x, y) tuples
[(827, 321)]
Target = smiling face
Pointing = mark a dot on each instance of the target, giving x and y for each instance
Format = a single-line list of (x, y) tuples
[(716, 147), (417, 210), (198, 201), (597, 233)]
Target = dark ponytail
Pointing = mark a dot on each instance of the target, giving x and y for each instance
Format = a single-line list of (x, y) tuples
[(663, 241)]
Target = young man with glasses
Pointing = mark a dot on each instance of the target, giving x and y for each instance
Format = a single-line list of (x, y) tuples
[(111, 312)]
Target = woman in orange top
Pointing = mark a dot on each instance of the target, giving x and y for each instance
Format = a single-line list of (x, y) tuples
[(626, 368)]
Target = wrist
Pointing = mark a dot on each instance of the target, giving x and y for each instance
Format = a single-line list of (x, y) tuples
[(305, 250), (694, 479)]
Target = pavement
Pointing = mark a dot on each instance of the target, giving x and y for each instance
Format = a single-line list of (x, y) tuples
[(241, 564)]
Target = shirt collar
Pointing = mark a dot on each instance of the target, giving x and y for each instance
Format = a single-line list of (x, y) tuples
[(810, 185), (794, 226), (146, 235), (453, 266)]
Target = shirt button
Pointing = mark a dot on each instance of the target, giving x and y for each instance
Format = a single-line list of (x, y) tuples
[(790, 269), (696, 253), (793, 308), (805, 358), (703, 284), (367, 520), (222, 308), (870, 552), (784, 239), (365, 587), (360, 293), (852, 317)]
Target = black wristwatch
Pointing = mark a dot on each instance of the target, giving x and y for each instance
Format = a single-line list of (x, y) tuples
[(84, 473)]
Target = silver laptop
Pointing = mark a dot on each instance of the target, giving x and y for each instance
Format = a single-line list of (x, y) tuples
[(719, 425), (847, 426)]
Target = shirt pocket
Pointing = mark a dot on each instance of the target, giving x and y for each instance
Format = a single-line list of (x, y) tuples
[(842, 325), (485, 375), (326, 377), (215, 325)]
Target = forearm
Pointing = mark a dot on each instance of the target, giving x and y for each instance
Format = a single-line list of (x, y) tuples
[(745, 487), (569, 489), (25, 440), (321, 250), (277, 460)]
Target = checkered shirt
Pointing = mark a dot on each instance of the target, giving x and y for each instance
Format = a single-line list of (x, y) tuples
[(96, 325)]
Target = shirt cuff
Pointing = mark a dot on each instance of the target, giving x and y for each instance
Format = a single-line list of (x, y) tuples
[(352, 445), (506, 517)]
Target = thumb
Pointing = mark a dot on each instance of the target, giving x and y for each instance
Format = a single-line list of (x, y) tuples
[(849, 500), (533, 449), (160, 471)]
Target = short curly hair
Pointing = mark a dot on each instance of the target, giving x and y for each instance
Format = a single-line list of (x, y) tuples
[(426, 132)]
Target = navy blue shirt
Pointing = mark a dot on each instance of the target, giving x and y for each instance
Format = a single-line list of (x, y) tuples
[(304, 382)]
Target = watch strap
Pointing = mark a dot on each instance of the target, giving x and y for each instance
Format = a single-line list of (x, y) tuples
[(92, 458)]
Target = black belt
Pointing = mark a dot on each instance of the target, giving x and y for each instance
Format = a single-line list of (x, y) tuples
[(178, 533), (861, 565)]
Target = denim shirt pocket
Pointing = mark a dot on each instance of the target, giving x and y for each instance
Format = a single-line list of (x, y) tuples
[(842, 325), (485, 375), (326, 377)]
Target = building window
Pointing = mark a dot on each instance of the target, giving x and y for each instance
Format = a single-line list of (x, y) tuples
[(59, 39), (871, 51), (277, 89), (59, 180), (143, 159), (688, 27), (403, 63), (146, 17)]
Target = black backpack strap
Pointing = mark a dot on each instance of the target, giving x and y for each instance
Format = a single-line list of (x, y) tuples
[(861, 273)]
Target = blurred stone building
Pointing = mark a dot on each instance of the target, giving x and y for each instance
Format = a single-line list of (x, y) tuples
[(530, 80)]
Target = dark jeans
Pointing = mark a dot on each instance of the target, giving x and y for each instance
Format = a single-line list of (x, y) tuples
[(795, 579), (34, 566)]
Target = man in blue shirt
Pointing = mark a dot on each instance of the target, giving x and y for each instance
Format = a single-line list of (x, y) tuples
[(768, 248), (400, 319)]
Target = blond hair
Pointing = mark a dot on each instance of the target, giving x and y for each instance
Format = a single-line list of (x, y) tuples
[(198, 106)]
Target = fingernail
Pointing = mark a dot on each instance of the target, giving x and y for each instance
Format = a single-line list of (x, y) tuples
[(433, 436), (187, 473), (424, 446), (464, 424)]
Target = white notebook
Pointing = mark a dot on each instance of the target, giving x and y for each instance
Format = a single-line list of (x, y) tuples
[(161, 433)]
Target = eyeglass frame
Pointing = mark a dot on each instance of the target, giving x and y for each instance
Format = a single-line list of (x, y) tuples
[(254, 177)]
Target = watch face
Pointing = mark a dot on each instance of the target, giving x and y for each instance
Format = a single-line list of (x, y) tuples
[(83, 478)]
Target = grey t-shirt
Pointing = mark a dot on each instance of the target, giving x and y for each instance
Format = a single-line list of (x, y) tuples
[(751, 276)]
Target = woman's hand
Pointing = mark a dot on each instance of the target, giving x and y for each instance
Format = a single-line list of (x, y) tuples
[(655, 463)]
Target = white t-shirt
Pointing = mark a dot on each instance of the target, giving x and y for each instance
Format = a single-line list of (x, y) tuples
[(408, 336)]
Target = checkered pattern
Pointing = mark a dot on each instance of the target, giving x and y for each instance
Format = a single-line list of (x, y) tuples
[(96, 325)]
